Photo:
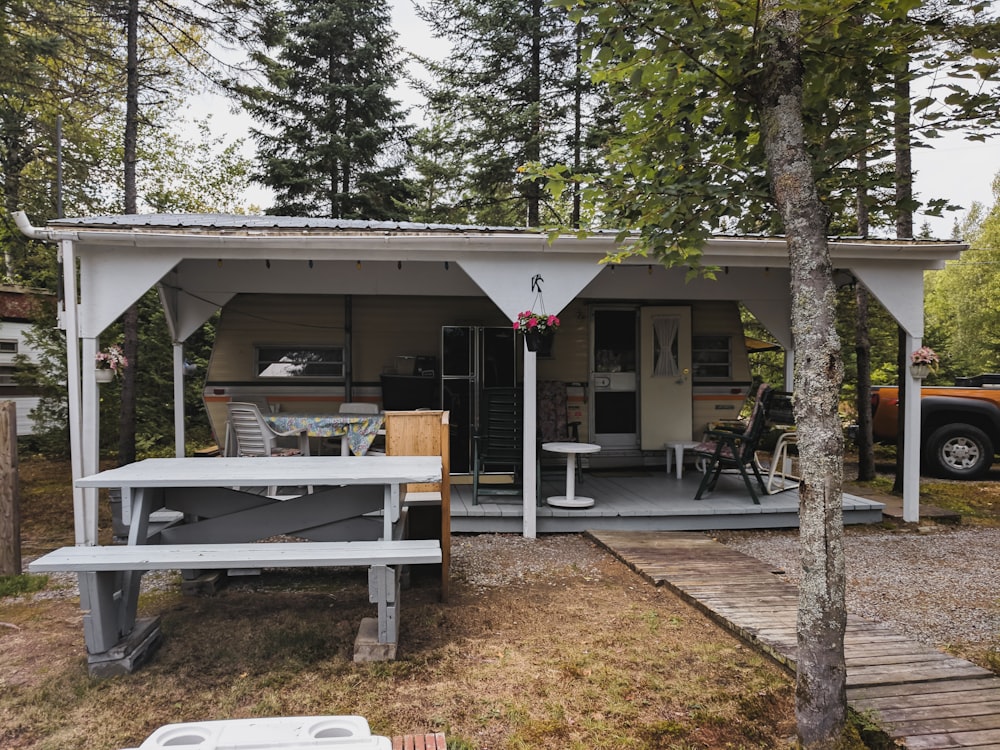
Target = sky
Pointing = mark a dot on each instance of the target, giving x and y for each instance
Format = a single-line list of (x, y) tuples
[(961, 171)]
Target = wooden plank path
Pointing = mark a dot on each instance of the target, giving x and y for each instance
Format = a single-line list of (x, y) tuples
[(921, 696)]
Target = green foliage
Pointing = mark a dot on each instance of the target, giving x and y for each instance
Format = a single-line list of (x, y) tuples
[(440, 174), (21, 584), (687, 159), (963, 320), (882, 335), (204, 175), (333, 141), (513, 89)]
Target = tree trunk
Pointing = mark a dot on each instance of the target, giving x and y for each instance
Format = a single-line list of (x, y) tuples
[(821, 702), (863, 347), (578, 84), (130, 322), (533, 146)]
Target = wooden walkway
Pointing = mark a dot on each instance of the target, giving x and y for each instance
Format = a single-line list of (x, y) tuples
[(922, 697)]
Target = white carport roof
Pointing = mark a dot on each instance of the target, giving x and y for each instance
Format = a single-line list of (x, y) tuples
[(200, 261)]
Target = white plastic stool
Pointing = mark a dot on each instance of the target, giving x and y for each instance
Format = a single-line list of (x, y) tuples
[(675, 449)]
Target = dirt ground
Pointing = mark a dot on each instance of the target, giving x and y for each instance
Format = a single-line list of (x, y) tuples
[(548, 643)]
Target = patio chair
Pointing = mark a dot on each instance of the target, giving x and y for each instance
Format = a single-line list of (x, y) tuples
[(553, 419), (497, 445), (731, 449), (781, 472), (248, 434)]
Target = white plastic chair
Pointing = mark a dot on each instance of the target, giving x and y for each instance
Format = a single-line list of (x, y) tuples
[(248, 434)]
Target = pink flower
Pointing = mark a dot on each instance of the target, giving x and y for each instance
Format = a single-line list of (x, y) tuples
[(531, 322)]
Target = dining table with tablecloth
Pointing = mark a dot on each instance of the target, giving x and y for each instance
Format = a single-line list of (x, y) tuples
[(360, 429)]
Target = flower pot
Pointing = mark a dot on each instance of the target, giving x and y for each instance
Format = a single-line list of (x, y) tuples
[(104, 375), (534, 340), (919, 370)]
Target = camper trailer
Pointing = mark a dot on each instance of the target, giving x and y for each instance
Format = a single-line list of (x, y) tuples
[(310, 353)]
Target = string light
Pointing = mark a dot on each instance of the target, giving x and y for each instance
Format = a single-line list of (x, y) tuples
[(310, 263), (649, 269), (399, 265), (359, 265), (267, 263), (446, 266)]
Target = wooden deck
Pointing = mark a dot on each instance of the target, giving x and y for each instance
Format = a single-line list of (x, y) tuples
[(643, 500), (922, 697)]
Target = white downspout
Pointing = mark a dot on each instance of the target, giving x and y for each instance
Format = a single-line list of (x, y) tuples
[(530, 417), (911, 446), (179, 399)]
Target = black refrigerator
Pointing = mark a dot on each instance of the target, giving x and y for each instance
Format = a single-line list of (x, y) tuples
[(473, 358)]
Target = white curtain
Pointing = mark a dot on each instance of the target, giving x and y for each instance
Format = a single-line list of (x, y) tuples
[(665, 337)]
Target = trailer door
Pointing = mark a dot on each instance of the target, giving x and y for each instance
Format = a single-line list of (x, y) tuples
[(664, 376)]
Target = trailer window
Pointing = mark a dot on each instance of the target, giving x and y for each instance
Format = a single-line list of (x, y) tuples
[(290, 361), (712, 357)]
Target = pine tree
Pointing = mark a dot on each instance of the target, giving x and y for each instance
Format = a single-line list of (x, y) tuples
[(333, 141), (512, 87)]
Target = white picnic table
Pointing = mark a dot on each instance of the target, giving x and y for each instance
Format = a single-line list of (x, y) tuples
[(177, 476), (223, 514)]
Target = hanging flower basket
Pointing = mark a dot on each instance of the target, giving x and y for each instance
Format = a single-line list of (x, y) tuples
[(535, 326), (923, 361), (110, 363)]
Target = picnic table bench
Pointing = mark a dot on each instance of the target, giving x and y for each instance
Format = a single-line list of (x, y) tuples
[(221, 527)]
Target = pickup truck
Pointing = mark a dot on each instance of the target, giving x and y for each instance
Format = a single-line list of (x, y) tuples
[(959, 425)]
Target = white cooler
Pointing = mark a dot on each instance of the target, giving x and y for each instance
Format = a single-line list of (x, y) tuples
[(280, 733)]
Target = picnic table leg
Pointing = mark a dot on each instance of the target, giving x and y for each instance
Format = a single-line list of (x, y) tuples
[(390, 510), (144, 499), (383, 590), (102, 625)]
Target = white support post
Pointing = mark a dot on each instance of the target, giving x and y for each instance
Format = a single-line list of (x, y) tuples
[(911, 447), (530, 474), (179, 399), (70, 315), (789, 369), (91, 430)]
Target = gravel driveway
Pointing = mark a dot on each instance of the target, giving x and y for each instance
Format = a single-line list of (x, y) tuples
[(940, 586)]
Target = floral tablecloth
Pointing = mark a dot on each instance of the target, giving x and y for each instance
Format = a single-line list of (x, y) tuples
[(359, 428)]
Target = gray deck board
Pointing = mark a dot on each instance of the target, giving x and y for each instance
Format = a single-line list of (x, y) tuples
[(923, 697), (643, 500)]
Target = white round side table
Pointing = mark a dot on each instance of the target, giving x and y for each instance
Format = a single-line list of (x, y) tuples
[(570, 499)]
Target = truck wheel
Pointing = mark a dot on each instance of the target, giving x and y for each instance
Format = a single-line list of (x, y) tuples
[(958, 451)]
